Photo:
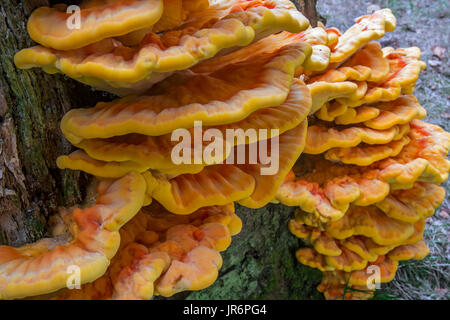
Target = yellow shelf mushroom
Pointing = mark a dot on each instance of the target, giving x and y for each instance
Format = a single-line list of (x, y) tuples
[(91, 241), (163, 254), (347, 147), (113, 66)]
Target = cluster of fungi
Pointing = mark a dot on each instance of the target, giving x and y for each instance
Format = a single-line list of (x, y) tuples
[(352, 152)]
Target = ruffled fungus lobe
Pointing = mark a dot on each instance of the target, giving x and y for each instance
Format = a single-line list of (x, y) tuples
[(412, 205), (322, 137), (353, 253), (98, 20), (372, 57), (334, 287), (418, 250), (263, 82), (176, 12), (325, 245), (163, 254), (369, 64), (269, 177), (343, 285), (214, 185), (366, 154), (320, 57), (316, 37), (112, 66), (365, 221), (323, 92), (269, 16), (80, 160), (384, 115), (330, 111), (423, 159), (404, 71), (353, 285), (223, 183), (327, 188), (41, 267), (345, 262), (320, 240), (155, 152), (367, 28)]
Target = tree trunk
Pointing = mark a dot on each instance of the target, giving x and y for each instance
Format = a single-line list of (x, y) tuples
[(260, 262)]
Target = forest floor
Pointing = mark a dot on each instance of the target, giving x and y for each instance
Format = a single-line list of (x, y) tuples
[(425, 24)]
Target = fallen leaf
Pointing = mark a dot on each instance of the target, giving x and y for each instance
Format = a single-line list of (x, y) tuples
[(443, 214), (434, 63), (439, 52), (436, 222)]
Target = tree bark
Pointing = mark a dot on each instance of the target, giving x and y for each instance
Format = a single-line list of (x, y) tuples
[(308, 8), (260, 262)]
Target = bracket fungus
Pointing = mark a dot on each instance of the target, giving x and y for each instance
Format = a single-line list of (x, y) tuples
[(245, 87), (321, 120), (162, 254), (404, 70), (323, 136), (155, 152), (367, 154), (328, 188), (384, 115), (110, 65), (366, 28), (91, 241), (370, 172), (368, 64), (98, 20)]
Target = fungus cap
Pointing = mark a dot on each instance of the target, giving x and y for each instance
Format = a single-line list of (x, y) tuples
[(322, 137), (112, 66), (327, 188), (41, 267), (404, 70), (367, 28), (156, 152), (162, 253), (98, 20), (365, 154), (178, 101)]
